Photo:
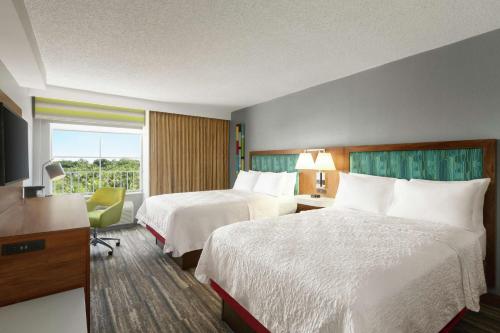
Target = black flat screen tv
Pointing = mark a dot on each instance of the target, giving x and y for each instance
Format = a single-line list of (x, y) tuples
[(13, 147)]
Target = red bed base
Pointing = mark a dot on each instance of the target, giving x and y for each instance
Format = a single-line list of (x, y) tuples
[(156, 234), (257, 327), (253, 323)]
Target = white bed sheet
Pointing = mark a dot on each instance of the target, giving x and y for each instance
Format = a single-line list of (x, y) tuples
[(482, 240), (287, 205), (333, 270), (187, 219)]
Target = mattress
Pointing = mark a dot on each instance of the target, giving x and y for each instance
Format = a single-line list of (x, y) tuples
[(334, 270), (185, 220)]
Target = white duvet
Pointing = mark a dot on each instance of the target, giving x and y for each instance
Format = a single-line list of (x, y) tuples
[(187, 219), (346, 271)]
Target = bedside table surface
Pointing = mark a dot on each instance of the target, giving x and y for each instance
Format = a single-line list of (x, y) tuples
[(305, 199)]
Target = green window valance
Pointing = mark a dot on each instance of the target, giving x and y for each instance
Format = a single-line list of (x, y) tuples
[(88, 113)]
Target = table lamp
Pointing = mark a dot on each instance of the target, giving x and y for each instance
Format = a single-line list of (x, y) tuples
[(305, 162), (324, 162), (55, 172)]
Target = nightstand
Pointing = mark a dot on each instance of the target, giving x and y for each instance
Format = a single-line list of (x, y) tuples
[(305, 202)]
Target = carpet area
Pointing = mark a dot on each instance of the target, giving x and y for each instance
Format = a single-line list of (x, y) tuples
[(137, 289)]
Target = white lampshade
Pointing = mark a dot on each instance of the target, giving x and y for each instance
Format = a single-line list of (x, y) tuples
[(305, 162), (324, 162)]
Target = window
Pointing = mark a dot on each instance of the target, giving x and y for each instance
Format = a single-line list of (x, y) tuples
[(94, 157)]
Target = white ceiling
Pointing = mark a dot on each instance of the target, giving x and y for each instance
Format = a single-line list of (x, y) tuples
[(238, 53)]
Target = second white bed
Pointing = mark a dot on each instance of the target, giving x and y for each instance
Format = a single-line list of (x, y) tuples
[(186, 220)]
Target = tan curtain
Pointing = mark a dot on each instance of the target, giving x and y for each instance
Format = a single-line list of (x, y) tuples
[(188, 153)]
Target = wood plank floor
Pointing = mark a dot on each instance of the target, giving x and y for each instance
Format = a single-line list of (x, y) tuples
[(139, 290)]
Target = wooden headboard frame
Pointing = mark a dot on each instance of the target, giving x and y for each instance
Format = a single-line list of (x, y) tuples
[(489, 166)]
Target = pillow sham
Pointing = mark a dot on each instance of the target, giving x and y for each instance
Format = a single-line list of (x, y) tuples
[(245, 181), (364, 192), (270, 183), (450, 203), (478, 201)]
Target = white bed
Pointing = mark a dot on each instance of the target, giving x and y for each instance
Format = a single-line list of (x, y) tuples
[(341, 270), (185, 220)]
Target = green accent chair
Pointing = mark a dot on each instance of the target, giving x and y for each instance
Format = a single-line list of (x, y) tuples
[(105, 208)]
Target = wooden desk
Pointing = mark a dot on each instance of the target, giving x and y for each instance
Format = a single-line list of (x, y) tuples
[(62, 225)]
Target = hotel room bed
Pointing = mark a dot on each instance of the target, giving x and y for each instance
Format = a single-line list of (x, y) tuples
[(335, 270), (185, 220), (182, 222), (364, 269)]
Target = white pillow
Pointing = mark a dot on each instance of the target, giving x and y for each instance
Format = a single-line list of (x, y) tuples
[(448, 203), (270, 183), (478, 204), (364, 192), (245, 181), (289, 183)]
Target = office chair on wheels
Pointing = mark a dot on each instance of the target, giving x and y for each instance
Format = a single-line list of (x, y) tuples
[(105, 208)]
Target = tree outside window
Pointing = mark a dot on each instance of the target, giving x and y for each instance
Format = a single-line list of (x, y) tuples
[(93, 159)]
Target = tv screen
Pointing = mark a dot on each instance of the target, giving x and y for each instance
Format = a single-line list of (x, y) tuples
[(13, 147)]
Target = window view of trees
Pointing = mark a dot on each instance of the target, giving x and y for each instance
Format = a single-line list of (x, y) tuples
[(83, 176), (94, 157)]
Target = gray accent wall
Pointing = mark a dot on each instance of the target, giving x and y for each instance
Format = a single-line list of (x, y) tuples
[(450, 93)]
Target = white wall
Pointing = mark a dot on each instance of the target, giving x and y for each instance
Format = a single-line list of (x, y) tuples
[(41, 148)]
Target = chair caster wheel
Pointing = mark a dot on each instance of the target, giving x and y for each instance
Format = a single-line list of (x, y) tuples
[(117, 243), (110, 253)]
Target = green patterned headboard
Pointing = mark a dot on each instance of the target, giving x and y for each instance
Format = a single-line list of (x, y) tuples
[(443, 164), (445, 161), (276, 163)]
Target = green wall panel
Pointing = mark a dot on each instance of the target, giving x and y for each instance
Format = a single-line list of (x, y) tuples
[(449, 164)]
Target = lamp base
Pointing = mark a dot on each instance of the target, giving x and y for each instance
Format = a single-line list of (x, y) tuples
[(30, 191), (315, 196)]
